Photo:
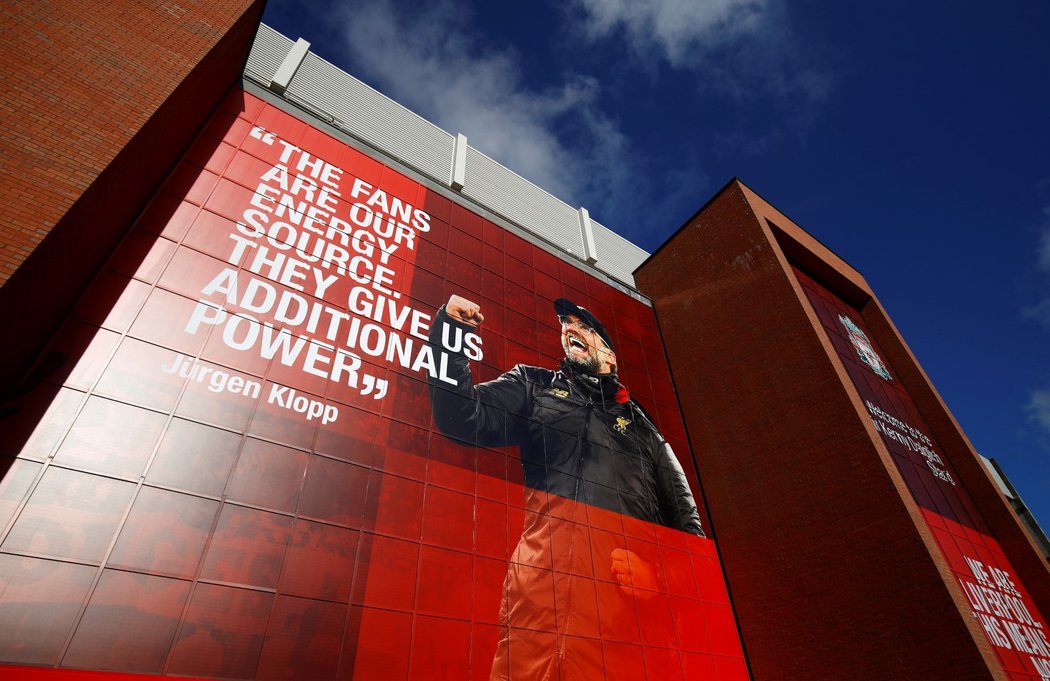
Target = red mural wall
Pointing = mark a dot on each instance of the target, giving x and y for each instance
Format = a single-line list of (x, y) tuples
[(226, 463), (1015, 628)]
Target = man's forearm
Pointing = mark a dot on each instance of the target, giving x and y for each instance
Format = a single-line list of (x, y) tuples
[(453, 407)]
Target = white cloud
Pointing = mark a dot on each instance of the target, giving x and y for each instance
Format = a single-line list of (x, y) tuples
[(554, 131), (1040, 310), (741, 48), (425, 58), (682, 31), (1043, 252), (1039, 408)]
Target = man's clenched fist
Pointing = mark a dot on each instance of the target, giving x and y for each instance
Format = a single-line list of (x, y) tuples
[(463, 310)]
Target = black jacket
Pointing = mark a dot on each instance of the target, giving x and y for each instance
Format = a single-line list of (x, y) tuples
[(577, 440)]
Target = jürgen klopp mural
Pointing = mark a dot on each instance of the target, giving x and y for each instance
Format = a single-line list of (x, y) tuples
[(584, 444)]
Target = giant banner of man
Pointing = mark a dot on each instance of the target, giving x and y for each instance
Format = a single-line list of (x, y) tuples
[(315, 420)]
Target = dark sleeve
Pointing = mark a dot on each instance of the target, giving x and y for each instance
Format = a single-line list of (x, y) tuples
[(677, 507), (477, 414)]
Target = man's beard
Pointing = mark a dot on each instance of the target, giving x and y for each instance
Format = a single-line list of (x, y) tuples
[(589, 364)]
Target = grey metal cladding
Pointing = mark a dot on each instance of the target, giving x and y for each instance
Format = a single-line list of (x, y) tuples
[(522, 202), (342, 100), (617, 256), (267, 53), (373, 117)]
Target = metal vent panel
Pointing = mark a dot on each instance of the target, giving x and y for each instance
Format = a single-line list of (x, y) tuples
[(268, 51), (617, 256), (517, 199), (373, 117), (359, 110)]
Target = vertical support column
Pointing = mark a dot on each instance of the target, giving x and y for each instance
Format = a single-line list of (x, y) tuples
[(590, 251), (459, 163), (292, 61)]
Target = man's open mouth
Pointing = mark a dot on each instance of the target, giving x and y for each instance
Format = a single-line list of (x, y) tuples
[(577, 343)]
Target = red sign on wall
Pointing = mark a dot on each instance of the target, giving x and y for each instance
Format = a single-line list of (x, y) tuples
[(1014, 626), (316, 421)]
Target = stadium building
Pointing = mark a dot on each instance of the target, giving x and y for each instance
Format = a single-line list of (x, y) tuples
[(252, 428)]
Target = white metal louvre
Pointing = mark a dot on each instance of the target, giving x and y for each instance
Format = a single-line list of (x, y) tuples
[(268, 51), (377, 120), (373, 117), (617, 256), (517, 199)]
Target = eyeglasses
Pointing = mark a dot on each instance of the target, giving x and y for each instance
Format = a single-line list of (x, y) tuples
[(566, 320)]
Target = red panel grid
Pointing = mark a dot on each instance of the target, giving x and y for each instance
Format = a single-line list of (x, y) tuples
[(229, 466)]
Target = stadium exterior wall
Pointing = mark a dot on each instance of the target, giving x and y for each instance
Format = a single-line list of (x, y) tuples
[(210, 467)]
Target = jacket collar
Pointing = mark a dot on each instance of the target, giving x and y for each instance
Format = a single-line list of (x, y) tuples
[(597, 387)]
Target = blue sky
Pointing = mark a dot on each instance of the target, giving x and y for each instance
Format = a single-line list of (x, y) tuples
[(909, 137)]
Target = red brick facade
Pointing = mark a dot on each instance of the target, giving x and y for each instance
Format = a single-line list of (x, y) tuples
[(100, 101), (833, 570)]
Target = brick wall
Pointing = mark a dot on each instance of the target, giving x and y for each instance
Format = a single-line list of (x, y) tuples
[(831, 568), (100, 100)]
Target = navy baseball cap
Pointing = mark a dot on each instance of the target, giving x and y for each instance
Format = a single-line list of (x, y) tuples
[(564, 306)]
